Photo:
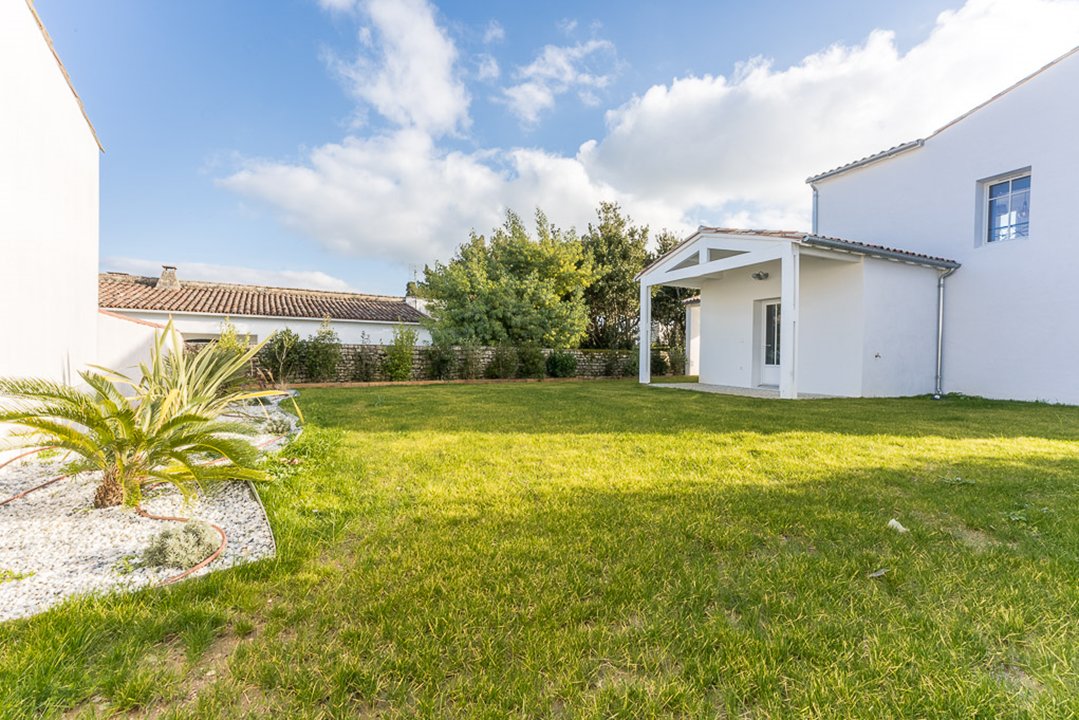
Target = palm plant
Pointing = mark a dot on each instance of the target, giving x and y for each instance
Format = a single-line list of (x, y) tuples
[(168, 428)]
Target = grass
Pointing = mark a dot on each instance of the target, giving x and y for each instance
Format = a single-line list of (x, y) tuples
[(602, 550)]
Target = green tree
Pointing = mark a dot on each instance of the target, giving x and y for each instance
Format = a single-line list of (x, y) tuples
[(512, 288), (617, 250), (668, 308)]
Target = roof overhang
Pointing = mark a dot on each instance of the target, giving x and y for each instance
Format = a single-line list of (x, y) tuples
[(711, 251)]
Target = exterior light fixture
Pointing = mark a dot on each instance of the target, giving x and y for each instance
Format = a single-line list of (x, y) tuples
[(759, 275)]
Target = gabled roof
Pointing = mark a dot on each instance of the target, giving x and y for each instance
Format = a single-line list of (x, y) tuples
[(63, 71), (914, 144), (811, 240), (120, 291)]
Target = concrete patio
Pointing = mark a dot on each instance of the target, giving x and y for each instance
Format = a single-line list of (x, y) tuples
[(757, 392)]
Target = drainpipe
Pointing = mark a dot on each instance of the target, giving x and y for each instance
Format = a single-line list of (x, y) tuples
[(938, 390)]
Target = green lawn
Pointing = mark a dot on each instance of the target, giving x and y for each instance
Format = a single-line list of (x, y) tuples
[(599, 550)]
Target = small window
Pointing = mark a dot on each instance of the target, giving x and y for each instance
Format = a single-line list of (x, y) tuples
[(1008, 205)]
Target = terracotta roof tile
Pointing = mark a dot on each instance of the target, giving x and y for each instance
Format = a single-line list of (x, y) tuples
[(119, 291)]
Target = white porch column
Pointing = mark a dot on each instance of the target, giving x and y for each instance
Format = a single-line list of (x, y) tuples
[(789, 300), (644, 333)]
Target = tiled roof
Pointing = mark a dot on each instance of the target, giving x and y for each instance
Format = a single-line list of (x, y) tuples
[(877, 250), (119, 291), (803, 238)]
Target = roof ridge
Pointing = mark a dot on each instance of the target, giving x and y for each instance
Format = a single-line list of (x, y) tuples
[(914, 144), (246, 286), (63, 70)]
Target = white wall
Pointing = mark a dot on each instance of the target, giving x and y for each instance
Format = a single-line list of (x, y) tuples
[(693, 339), (900, 347), (260, 327), (866, 328), (728, 352), (123, 343), (48, 210), (831, 327), (1010, 326)]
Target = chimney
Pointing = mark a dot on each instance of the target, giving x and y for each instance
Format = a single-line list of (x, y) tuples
[(168, 280)]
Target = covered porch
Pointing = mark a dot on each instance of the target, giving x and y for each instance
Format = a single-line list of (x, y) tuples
[(786, 314)]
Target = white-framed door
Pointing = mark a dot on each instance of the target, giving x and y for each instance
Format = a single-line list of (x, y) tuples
[(769, 342)]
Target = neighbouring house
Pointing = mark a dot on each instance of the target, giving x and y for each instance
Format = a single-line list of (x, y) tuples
[(48, 207), (942, 264), (199, 309)]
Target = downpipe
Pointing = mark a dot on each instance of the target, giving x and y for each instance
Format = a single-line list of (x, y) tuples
[(938, 386)]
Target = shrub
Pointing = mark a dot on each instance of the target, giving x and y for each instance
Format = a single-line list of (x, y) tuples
[(167, 426), (441, 360), (182, 547), (659, 363), (365, 362), (231, 341), (530, 362), (470, 365), (678, 360), (503, 363), (278, 426), (612, 366), (322, 354), (561, 364), (631, 366), (397, 364), (280, 355)]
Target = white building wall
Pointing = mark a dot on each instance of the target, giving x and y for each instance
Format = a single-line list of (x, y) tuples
[(48, 210), (831, 328), (728, 314), (350, 332), (124, 343), (693, 339), (900, 347), (830, 334), (1010, 330)]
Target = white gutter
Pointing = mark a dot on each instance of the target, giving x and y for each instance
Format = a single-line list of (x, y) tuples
[(938, 387)]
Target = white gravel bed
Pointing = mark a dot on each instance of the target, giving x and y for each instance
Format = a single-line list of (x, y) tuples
[(63, 547)]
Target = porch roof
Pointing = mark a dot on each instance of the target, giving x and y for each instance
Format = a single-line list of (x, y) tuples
[(809, 240)]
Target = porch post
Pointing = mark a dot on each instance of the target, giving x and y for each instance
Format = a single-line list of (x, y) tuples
[(644, 334), (788, 329)]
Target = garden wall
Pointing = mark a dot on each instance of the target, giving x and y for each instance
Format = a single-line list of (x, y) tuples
[(366, 363)]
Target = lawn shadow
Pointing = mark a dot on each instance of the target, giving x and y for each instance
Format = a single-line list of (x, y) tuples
[(626, 407)]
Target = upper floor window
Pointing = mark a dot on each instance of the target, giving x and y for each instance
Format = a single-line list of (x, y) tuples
[(1009, 209)]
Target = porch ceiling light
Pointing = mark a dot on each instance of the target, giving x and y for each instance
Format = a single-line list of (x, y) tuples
[(759, 275)]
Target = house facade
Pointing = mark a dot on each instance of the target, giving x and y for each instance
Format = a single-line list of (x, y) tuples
[(199, 310), (48, 207), (943, 264)]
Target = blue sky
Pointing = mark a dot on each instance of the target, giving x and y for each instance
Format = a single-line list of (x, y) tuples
[(339, 143)]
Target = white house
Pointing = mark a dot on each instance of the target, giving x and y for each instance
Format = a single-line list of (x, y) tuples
[(943, 264), (199, 309), (48, 207)]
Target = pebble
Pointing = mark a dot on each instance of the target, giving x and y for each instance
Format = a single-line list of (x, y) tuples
[(61, 547)]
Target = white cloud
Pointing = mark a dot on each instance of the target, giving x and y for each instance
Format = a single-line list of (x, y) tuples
[(493, 33), (487, 68), (567, 25), (338, 5), (557, 70), (749, 141), (711, 149), (406, 70), (311, 279)]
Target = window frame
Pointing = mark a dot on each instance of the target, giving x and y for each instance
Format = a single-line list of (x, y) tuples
[(982, 225)]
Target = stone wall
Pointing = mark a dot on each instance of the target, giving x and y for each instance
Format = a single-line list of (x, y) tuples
[(364, 363)]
